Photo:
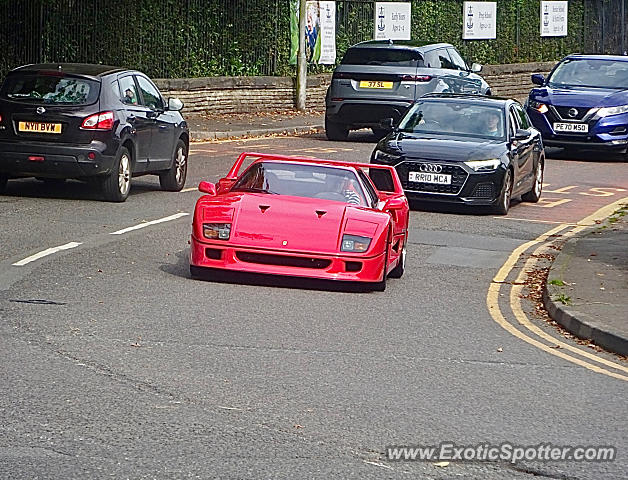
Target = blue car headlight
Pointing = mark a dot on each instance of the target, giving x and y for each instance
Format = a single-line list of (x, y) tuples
[(355, 243), (608, 111), (538, 106)]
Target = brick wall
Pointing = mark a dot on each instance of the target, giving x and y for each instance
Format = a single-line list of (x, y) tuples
[(251, 94)]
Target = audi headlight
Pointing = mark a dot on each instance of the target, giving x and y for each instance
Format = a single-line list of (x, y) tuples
[(483, 165), (354, 243), (217, 231), (608, 111), (538, 106), (385, 157)]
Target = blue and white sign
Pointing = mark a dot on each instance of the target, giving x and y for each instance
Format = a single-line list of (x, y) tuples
[(554, 19), (479, 20), (392, 20)]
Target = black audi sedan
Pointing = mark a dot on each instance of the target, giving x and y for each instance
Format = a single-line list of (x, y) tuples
[(465, 149), (90, 122)]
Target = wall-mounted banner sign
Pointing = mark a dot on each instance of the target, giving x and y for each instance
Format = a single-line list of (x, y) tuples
[(479, 20), (320, 32), (392, 20), (328, 33), (554, 19)]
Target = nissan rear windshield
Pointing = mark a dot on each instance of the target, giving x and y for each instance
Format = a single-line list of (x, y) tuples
[(50, 89), (382, 56)]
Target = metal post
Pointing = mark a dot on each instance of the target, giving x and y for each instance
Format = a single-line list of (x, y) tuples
[(623, 27), (301, 62)]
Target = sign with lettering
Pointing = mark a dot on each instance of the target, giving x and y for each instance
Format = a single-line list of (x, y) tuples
[(554, 19), (479, 20), (328, 33), (392, 20)]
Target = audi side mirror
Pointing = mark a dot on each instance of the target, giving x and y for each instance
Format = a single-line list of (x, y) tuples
[(522, 134), (387, 124), (538, 79)]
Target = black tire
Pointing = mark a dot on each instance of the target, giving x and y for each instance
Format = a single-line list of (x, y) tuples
[(116, 186), (3, 183), (534, 195), (398, 271), (503, 203), (336, 131), (173, 180)]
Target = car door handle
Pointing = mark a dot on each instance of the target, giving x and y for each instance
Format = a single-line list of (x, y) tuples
[(131, 118), (163, 127)]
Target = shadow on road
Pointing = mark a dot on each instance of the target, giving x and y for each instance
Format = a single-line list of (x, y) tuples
[(584, 155), (182, 269), (67, 190)]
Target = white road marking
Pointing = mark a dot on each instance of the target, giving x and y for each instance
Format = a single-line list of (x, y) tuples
[(45, 253), (191, 189), (152, 222)]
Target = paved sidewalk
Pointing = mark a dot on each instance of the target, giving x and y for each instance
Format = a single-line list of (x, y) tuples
[(239, 125), (592, 302)]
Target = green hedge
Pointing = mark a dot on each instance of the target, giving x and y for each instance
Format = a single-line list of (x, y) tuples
[(175, 38)]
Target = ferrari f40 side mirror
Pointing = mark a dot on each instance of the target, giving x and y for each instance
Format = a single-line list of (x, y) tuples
[(207, 187)]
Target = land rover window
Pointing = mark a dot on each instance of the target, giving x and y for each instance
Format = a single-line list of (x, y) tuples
[(382, 56)]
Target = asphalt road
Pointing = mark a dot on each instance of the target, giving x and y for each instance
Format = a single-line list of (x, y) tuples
[(116, 364)]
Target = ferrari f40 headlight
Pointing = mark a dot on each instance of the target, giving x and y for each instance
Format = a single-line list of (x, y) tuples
[(608, 111), (483, 165), (354, 243), (217, 231)]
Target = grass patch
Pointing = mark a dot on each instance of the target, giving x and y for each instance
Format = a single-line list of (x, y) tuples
[(560, 283), (564, 299)]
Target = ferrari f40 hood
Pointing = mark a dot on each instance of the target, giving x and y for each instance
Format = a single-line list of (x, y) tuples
[(288, 223)]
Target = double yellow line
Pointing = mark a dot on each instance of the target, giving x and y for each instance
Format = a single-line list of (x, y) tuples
[(523, 328)]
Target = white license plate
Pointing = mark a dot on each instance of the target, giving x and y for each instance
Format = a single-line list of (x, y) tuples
[(571, 127), (438, 178)]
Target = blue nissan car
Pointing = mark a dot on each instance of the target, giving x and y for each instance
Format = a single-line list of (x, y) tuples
[(583, 103)]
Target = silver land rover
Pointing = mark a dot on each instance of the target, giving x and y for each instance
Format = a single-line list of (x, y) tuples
[(382, 79)]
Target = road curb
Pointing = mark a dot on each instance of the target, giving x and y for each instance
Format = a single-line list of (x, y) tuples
[(199, 135), (575, 322)]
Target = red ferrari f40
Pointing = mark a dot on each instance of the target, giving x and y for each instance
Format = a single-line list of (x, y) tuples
[(302, 217)]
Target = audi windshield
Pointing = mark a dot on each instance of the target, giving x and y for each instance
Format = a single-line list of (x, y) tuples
[(454, 117)]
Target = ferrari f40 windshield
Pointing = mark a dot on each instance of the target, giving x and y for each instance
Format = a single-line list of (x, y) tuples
[(590, 73), (311, 181), (464, 119)]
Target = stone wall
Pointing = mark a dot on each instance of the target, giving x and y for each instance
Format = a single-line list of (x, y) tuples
[(513, 80), (252, 94), (242, 94)]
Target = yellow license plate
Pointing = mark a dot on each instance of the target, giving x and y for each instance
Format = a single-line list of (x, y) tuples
[(375, 84), (39, 127)]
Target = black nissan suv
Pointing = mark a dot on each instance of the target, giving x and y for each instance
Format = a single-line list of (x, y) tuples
[(90, 122), (382, 79)]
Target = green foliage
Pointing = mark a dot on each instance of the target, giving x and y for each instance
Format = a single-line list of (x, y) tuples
[(191, 38)]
